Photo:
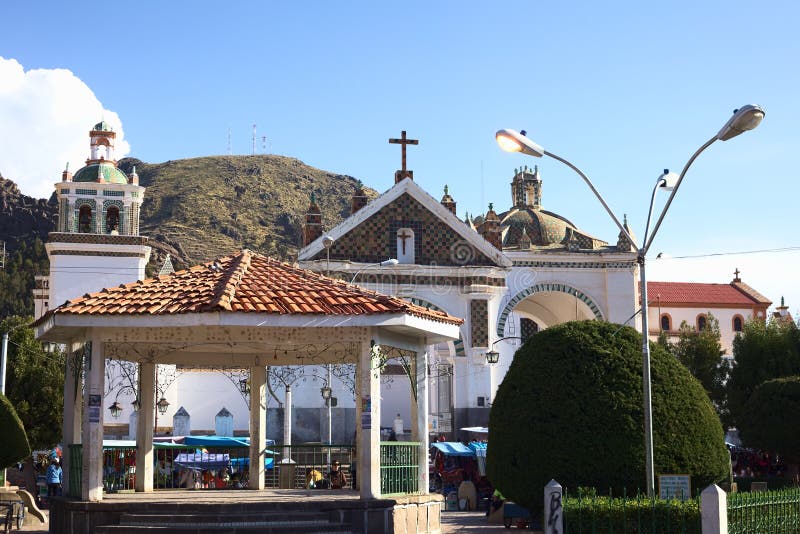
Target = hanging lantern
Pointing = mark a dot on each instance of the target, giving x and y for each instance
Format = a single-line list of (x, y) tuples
[(162, 405), (492, 357), (115, 409)]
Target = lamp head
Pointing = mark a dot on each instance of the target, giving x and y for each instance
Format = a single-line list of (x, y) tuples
[(162, 405), (390, 261), (667, 180), (513, 141), (744, 119), (326, 392), (115, 409), (492, 357), (327, 241)]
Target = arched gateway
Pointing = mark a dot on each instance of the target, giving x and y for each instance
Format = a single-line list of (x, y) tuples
[(546, 287)]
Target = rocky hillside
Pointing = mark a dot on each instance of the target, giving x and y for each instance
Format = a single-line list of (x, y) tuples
[(196, 209)]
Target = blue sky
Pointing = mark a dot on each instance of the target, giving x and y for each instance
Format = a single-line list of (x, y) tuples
[(622, 89)]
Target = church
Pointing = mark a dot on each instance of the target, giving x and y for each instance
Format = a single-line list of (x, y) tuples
[(507, 274)]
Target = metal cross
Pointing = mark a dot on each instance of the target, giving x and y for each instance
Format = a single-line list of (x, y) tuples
[(403, 141), (736, 273)]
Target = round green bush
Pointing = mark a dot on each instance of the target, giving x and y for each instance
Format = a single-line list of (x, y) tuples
[(14, 443), (570, 409), (769, 419)]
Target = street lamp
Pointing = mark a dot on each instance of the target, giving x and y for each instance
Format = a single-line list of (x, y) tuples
[(493, 356), (244, 386), (115, 409), (384, 263), (162, 405), (743, 119), (325, 391), (136, 405)]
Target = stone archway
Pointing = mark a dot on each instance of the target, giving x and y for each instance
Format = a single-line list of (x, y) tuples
[(550, 287)]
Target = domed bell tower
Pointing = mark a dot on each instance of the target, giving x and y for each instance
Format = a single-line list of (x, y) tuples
[(96, 243)]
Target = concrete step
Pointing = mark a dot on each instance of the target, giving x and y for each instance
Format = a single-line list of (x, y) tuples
[(263, 529), (217, 517)]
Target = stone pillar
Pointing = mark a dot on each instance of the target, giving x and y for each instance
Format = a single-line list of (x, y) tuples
[(287, 423), (144, 427), (258, 426), (714, 510), (181, 423), (368, 424), (92, 427), (72, 407), (421, 422), (553, 508)]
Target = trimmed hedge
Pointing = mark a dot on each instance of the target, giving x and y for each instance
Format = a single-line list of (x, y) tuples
[(14, 443), (769, 419), (570, 409), (634, 514)]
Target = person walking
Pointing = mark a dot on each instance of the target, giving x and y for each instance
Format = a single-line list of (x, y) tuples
[(54, 477), (337, 477)]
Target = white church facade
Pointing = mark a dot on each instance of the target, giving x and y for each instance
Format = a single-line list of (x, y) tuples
[(506, 274)]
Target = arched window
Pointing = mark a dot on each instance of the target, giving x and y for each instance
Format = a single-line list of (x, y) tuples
[(85, 223), (666, 323), (738, 323), (112, 220), (701, 323)]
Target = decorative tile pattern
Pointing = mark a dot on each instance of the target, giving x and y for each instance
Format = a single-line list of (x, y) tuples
[(546, 287), (479, 323), (104, 239), (245, 282), (435, 242), (576, 264), (527, 327)]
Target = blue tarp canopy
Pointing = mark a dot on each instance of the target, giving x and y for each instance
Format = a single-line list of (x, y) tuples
[(243, 463), (477, 446), (203, 460), (220, 441), (453, 448)]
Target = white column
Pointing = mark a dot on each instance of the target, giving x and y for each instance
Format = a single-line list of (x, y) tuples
[(421, 423), (553, 508), (415, 406), (714, 510), (287, 424), (368, 421), (144, 427), (258, 426), (92, 428), (72, 408)]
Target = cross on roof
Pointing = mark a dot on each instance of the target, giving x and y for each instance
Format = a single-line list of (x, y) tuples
[(736, 275), (403, 141)]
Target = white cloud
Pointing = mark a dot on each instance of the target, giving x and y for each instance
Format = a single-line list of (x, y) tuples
[(45, 118)]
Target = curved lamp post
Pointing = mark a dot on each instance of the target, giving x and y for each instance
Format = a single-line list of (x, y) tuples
[(744, 119), (384, 263), (492, 356)]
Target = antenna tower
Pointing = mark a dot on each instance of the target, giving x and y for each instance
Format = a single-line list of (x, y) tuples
[(264, 144), (229, 142), (254, 139)]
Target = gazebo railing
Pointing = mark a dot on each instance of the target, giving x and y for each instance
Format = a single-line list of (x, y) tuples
[(400, 467), (189, 466)]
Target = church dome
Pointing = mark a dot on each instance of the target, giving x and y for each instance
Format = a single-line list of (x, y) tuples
[(102, 126), (100, 173), (543, 228)]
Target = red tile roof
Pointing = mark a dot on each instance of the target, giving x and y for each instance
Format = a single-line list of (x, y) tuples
[(736, 293), (244, 282)]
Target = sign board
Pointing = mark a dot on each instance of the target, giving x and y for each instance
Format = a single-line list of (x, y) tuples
[(674, 487), (95, 405), (366, 421), (445, 422)]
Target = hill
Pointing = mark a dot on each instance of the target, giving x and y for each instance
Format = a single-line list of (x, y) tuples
[(194, 209)]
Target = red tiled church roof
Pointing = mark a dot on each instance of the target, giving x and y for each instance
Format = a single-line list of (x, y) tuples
[(244, 282), (737, 293)]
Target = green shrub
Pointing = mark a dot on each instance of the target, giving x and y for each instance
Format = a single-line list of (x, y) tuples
[(602, 515), (769, 419), (14, 443), (570, 409)]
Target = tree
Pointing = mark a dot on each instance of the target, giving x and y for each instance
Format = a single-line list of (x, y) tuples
[(763, 351), (14, 445), (701, 353), (35, 386), (769, 419), (570, 409)]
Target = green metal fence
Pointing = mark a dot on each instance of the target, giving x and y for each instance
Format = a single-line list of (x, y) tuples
[(589, 513), (768, 511), (400, 467), (187, 466)]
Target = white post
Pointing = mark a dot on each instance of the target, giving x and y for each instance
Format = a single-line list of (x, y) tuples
[(714, 510), (368, 421), (553, 508), (92, 429), (3, 354), (258, 426), (287, 424), (72, 409), (421, 423), (145, 419)]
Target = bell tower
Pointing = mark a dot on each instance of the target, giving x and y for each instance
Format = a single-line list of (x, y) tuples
[(96, 243)]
